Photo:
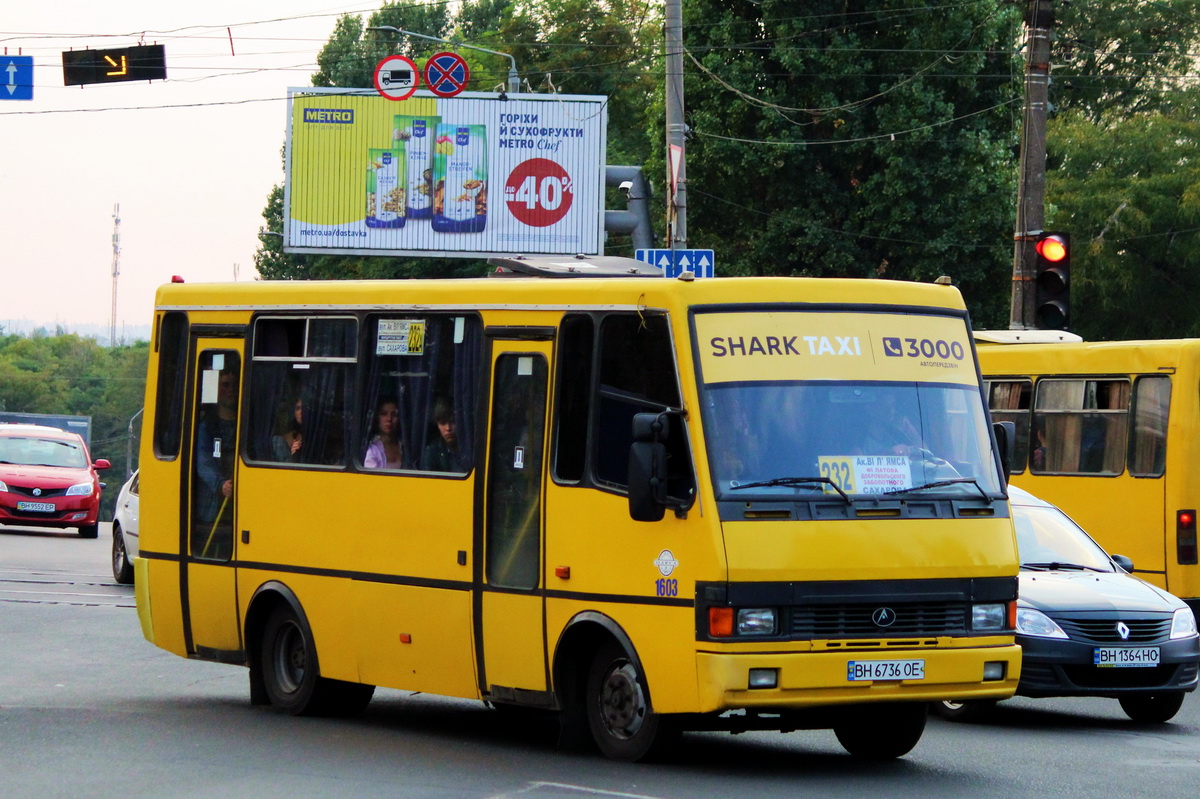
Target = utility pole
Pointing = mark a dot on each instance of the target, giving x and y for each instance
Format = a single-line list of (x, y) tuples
[(676, 129), (116, 272), (1031, 188)]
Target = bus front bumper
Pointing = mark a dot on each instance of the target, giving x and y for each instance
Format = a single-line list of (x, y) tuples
[(806, 679)]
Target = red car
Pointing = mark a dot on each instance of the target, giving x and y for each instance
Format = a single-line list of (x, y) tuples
[(48, 479)]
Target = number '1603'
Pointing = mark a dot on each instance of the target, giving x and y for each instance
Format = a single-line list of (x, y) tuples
[(666, 587)]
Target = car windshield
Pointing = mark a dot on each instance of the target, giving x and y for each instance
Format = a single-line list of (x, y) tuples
[(1048, 540), (35, 451), (847, 438)]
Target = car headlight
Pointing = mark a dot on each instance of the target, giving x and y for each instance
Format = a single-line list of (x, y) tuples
[(1183, 623), (1035, 623), (3, 487), (756, 621), (80, 490), (988, 617)]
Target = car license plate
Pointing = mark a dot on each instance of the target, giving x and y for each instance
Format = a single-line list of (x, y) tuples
[(1121, 657), (40, 507), (885, 670)]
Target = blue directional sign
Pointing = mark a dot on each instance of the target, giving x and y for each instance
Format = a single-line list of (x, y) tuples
[(16, 77), (700, 263)]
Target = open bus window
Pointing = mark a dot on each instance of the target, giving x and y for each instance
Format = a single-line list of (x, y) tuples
[(1081, 426), (424, 367)]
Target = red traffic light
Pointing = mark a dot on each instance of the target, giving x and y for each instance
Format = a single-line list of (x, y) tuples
[(1052, 248)]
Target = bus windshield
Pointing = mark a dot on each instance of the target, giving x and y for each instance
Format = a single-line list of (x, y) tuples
[(849, 437)]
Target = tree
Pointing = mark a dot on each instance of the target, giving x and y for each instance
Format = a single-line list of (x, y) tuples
[(854, 140)]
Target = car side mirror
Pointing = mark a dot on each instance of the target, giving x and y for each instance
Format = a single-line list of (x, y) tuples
[(102, 463), (1124, 562)]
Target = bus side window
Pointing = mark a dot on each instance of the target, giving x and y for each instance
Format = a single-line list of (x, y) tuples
[(1148, 443), (172, 345), (1084, 423), (1010, 401)]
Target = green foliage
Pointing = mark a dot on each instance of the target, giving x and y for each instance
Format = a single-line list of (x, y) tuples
[(854, 140), (1129, 193), (66, 374)]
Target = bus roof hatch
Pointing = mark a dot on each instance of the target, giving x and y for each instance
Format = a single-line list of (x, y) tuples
[(571, 266)]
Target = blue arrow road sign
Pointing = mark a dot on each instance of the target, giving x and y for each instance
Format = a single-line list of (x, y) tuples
[(16, 77), (699, 262)]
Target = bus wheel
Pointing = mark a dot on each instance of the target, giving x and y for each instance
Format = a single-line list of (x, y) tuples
[(883, 731), (618, 709), (289, 664), (1152, 708)]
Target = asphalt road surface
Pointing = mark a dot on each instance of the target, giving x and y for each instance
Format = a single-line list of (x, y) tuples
[(88, 708)]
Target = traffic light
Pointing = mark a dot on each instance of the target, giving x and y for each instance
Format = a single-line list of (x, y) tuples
[(1053, 308), (144, 62)]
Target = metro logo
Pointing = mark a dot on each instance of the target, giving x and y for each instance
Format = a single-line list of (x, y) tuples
[(341, 116)]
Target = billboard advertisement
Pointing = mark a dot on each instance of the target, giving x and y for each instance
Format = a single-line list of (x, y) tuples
[(466, 176)]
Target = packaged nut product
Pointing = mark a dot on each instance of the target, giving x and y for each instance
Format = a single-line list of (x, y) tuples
[(460, 179), (385, 188), (416, 135)]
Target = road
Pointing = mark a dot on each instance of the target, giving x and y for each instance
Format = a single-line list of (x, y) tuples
[(88, 708)]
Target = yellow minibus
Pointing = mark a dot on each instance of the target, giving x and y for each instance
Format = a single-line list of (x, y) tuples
[(1106, 430), (646, 504)]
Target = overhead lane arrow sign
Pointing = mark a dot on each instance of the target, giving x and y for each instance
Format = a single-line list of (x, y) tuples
[(17, 77), (116, 73)]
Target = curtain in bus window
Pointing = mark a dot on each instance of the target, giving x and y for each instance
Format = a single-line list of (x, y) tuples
[(1151, 406), (1010, 401), (1080, 426)]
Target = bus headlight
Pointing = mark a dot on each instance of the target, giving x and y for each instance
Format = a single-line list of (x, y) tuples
[(988, 617), (1183, 623), (756, 621), (80, 490), (1035, 623)]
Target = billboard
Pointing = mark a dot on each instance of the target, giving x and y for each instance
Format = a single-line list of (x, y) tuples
[(468, 176)]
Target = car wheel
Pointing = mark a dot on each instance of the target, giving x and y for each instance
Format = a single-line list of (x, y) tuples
[(618, 709), (121, 567), (882, 731), (89, 531), (953, 710), (1152, 708), (291, 675)]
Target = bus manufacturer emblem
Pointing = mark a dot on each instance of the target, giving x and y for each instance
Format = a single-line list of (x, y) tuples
[(883, 617), (666, 562)]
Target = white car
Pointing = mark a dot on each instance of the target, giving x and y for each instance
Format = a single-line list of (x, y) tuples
[(125, 531)]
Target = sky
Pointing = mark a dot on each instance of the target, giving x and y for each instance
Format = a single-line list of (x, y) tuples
[(189, 160)]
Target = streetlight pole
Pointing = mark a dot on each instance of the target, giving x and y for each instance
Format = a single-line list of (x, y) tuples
[(514, 82)]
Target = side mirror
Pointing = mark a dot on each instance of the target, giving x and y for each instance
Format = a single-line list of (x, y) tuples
[(1006, 441), (102, 463), (1124, 562), (648, 467)]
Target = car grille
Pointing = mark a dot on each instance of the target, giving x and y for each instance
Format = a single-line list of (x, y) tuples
[(28, 491), (1092, 677), (853, 620), (1104, 631)]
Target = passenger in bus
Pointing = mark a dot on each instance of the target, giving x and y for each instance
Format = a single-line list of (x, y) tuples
[(385, 451), (1039, 452), (215, 449), (286, 447), (441, 455), (889, 430)]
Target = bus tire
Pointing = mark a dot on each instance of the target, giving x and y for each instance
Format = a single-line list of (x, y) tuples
[(1152, 708), (291, 675), (619, 715), (883, 731)]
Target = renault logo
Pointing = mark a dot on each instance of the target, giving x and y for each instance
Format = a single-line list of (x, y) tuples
[(37, 492), (1123, 630), (883, 617)]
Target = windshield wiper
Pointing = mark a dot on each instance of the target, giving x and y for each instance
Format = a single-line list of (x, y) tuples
[(1057, 566), (940, 484), (794, 482)]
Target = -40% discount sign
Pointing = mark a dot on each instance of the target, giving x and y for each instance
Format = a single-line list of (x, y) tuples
[(539, 192)]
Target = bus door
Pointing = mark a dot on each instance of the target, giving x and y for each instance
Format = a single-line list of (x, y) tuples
[(208, 581), (509, 607)]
